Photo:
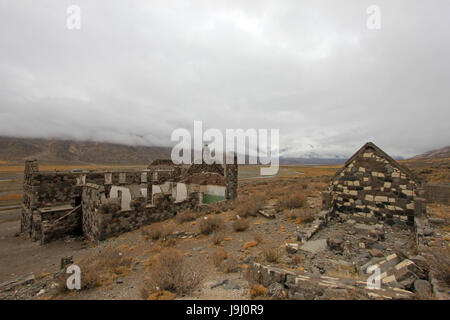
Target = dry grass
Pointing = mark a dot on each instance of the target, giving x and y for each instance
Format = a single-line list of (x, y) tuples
[(257, 291), (271, 253), (170, 271), (210, 224), (249, 244), (65, 167), (249, 206), (160, 230), (158, 295), (186, 216), (17, 197), (293, 200), (258, 237), (439, 258), (300, 216), (218, 237), (230, 265), (100, 269), (297, 259), (241, 225), (219, 256)]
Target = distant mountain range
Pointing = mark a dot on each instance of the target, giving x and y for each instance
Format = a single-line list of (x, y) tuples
[(438, 153), (17, 150)]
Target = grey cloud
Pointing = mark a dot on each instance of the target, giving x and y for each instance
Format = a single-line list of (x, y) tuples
[(138, 70)]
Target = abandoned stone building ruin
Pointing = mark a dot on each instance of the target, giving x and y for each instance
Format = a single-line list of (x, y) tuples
[(372, 187), (100, 204), (373, 217)]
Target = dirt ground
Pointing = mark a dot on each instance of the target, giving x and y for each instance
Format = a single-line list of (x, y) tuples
[(21, 256)]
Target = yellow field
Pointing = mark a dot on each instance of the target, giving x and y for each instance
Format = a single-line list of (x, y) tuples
[(52, 167), (12, 197), (285, 171)]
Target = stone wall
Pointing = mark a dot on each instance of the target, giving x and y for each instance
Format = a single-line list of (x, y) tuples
[(372, 188), (59, 224), (231, 179), (437, 193), (102, 218), (50, 195)]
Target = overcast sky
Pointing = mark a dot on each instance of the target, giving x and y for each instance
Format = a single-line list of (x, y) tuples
[(137, 70)]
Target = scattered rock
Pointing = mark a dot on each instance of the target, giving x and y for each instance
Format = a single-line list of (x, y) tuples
[(268, 213), (291, 247), (376, 253), (336, 242), (436, 221), (248, 259), (219, 283), (406, 272), (41, 292), (427, 232), (231, 286), (314, 246), (378, 246), (422, 289), (422, 263), (276, 291)]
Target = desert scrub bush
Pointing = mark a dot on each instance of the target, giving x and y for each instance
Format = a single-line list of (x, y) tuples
[(170, 271), (158, 295), (210, 224), (439, 259), (160, 230), (303, 215), (186, 216), (218, 236), (257, 291), (271, 253), (297, 259), (258, 237), (240, 225), (219, 256), (249, 206), (230, 265), (100, 268), (292, 201)]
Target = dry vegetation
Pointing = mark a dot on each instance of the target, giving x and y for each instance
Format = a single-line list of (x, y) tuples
[(160, 230), (439, 258), (249, 206), (170, 271), (257, 291), (300, 216), (100, 269), (186, 216), (219, 256), (240, 225), (292, 200), (210, 224), (271, 253), (258, 237)]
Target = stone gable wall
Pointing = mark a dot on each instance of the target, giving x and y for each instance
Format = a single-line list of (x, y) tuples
[(371, 189)]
